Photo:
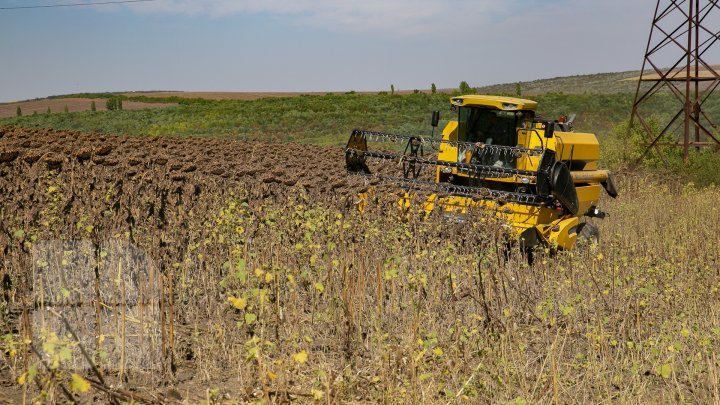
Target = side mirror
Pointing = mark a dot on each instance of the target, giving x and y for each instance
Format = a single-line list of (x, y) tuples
[(549, 129), (435, 118)]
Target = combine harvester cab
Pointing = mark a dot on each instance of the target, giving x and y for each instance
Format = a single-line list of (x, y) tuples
[(537, 177)]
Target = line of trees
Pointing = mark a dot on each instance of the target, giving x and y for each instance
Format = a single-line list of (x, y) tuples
[(114, 104)]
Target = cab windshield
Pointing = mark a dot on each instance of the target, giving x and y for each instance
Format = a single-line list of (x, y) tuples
[(490, 127), (484, 126)]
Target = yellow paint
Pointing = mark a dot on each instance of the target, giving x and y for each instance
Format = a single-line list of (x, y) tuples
[(554, 228), (496, 102)]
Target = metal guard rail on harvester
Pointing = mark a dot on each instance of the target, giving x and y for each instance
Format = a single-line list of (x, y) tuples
[(483, 193), (472, 169), (412, 159), (374, 136)]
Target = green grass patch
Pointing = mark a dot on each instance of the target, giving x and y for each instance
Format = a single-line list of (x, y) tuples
[(315, 119)]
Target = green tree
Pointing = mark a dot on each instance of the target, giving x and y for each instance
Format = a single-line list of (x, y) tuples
[(465, 87), (433, 88), (18, 111), (518, 89), (111, 104), (392, 89), (120, 107), (48, 110), (66, 109), (92, 106)]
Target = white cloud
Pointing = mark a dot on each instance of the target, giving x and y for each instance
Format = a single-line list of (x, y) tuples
[(397, 16)]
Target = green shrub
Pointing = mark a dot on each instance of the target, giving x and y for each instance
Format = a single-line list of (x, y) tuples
[(92, 106), (18, 112), (433, 88), (66, 110), (626, 147), (48, 110), (702, 167)]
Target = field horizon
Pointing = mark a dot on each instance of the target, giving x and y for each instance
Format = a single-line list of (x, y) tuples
[(533, 86)]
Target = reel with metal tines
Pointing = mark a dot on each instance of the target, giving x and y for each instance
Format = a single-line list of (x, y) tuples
[(482, 193), (470, 169), (512, 151)]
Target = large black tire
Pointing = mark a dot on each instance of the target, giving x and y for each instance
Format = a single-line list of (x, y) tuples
[(588, 233)]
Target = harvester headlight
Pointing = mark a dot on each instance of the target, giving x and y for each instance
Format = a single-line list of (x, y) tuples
[(509, 106), (525, 180), (457, 101), (447, 170)]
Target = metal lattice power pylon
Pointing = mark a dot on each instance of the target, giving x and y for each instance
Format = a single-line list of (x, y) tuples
[(682, 40)]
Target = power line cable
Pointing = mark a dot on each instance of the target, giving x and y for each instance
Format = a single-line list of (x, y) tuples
[(100, 3)]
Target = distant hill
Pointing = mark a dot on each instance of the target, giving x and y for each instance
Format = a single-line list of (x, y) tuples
[(599, 83)]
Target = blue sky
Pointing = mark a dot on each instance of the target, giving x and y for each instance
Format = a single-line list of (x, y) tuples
[(312, 45)]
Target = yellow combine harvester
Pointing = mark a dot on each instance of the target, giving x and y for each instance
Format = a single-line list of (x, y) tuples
[(539, 177)]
